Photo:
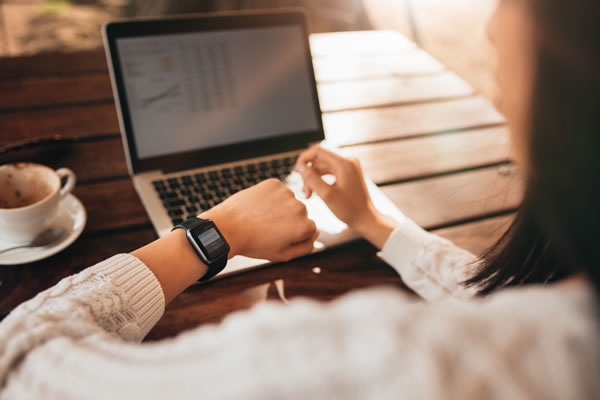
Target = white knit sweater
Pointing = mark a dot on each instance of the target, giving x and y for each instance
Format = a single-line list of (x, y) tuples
[(79, 340)]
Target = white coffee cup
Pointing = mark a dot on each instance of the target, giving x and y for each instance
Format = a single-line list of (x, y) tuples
[(29, 198)]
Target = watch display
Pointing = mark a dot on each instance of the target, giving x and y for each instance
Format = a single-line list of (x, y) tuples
[(208, 243), (210, 240)]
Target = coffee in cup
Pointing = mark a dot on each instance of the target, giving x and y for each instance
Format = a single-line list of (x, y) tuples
[(29, 199)]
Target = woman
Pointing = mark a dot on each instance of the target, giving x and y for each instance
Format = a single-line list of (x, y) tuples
[(531, 341)]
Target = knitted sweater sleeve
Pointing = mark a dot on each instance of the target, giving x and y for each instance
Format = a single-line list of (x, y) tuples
[(430, 265), (117, 297), (77, 341)]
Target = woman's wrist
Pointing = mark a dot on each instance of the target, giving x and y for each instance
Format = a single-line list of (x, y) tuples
[(173, 262), (226, 227), (375, 227)]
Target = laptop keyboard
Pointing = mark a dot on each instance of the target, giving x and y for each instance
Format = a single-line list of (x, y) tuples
[(188, 195)]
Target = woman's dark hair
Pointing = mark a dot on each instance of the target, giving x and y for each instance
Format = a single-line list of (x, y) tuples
[(556, 231)]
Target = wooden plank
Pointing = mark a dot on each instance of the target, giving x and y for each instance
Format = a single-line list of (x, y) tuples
[(386, 123), (53, 91), (111, 205), (94, 87), (52, 64), (94, 61), (478, 236), (431, 202), (413, 62), (78, 121), (359, 43), (341, 270), (342, 128), (350, 95), (81, 157), (451, 199), (430, 155), (383, 162)]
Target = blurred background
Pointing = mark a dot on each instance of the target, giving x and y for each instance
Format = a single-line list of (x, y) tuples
[(451, 30)]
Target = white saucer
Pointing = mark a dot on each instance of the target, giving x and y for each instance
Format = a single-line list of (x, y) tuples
[(71, 217)]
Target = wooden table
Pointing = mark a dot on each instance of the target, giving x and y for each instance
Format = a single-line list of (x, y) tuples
[(439, 151)]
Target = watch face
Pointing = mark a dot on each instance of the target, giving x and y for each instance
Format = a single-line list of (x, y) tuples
[(210, 241)]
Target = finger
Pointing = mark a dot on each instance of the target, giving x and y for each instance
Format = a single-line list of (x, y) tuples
[(306, 230), (328, 162), (314, 183)]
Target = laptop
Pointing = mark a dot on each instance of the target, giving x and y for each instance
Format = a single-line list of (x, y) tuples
[(211, 104)]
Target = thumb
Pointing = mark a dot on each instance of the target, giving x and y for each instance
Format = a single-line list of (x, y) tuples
[(314, 183)]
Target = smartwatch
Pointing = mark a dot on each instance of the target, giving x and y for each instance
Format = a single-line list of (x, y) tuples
[(208, 243)]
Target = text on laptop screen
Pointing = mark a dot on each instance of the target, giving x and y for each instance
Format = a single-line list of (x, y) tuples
[(200, 90)]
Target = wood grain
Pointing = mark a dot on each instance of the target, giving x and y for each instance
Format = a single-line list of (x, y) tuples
[(359, 43), (341, 270), (430, 202), (348, 68), (94, 61), (387, 123), (453, 199), (351, 95), (111, 205), (430, 155), (53, 91), (76, 121), (91, 160), (52, 64), (342, 129), (383, 162), (57, 90), (478, 236), (70, 95)]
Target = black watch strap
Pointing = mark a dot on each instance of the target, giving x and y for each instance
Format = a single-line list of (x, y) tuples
[(216, 266)]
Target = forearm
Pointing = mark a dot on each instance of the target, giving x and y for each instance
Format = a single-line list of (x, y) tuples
[(173, 261), (375, 227)]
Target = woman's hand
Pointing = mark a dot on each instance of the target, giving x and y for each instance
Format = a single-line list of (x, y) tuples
[(265, 221), (348, 198)]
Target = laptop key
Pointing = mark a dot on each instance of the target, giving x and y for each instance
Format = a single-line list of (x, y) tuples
[(176, 221), (173, 203), (288, 161), (226, 172), (200, 178), (175, 212), (238, 171), (191, 209), (168, 195)]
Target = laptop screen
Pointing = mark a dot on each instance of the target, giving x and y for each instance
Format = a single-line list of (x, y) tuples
[(201, 90)]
